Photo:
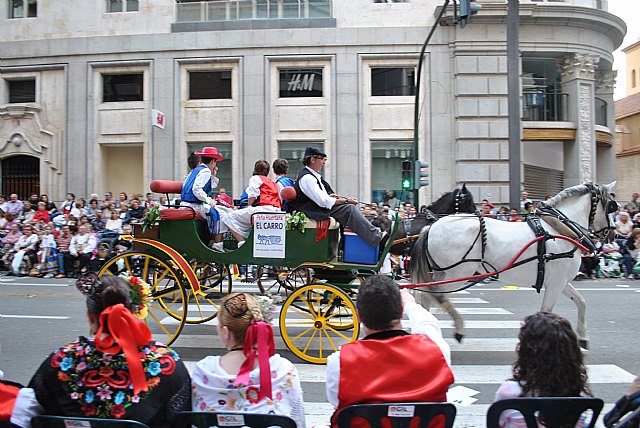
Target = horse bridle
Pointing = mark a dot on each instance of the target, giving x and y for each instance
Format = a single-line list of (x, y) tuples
[(608, 205)]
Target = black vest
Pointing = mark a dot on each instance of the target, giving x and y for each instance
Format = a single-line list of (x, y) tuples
[(305, 204)]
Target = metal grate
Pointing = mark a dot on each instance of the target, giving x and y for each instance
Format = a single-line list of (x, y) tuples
[(21, 175), (539, 182)]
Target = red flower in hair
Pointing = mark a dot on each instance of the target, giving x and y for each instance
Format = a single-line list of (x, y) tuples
[(134, 280)]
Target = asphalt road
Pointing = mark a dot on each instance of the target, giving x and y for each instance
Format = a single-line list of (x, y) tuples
[(38, 315)]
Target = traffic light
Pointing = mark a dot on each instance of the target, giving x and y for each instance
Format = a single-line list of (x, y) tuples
[(407, 180), (419, 178), (467, 10)]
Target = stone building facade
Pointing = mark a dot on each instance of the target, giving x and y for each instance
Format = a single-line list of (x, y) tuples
[(627, 111), (262, 79)]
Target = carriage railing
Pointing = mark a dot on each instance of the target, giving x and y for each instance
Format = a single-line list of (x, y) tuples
[(235, 10)]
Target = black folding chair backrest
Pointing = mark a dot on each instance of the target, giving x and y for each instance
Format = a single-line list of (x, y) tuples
[(209, 419), (68, 422), (556, 411), (397, 415)]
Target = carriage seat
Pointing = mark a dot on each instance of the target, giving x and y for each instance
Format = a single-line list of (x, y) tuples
[(333, 224), (172, 186)]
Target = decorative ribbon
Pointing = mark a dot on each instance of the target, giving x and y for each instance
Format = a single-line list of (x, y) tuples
[(263, 334), (322, 226), (126, 333)]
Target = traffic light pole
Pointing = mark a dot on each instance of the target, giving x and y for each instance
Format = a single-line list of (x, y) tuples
[(416, 110)]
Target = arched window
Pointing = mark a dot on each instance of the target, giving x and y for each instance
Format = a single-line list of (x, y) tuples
[(633, 78)]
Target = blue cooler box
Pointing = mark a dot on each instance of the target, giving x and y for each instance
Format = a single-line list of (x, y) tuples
[(357, 250)]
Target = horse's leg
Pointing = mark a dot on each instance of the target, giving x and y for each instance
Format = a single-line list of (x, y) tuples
[(581, 328), (446, 305)]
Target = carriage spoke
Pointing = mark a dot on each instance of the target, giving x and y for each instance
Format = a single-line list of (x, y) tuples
[(303, 313), (145, 269), (329, 305), (309, 341), (302, 334), (128, 266), (159, 323), (338, 333), (333, 345)]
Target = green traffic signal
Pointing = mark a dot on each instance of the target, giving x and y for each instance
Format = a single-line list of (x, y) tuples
[(406, 183)]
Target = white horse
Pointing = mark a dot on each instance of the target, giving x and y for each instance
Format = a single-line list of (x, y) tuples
[(460, 245)]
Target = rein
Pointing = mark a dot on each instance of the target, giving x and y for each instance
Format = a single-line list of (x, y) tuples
[(479, 277)]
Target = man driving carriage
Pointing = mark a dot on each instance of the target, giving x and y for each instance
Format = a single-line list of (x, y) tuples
[(318, 201)]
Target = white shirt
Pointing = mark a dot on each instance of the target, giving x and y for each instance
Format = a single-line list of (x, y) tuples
[(421, 322), (201, 180), (318, 194), (87, 242)]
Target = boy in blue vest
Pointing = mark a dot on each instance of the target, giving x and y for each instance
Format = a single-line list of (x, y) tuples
[(280, 169), (197, 187)]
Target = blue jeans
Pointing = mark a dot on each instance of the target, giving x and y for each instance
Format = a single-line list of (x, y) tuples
[(60, 263)]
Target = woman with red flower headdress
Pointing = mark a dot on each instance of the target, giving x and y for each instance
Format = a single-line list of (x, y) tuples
[(119, 373), (236, 381)]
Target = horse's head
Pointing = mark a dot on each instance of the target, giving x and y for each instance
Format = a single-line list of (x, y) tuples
[(457, 201), (602, 205)]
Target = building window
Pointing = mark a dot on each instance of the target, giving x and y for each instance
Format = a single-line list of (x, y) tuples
[(225, 170), (208, 85), (386, 161), (293, 152), (122, 87), (633, 78), (22, 91), (122, 6), (398, 81), (301, 82), (541, 91), (391, 1), (23, 8)]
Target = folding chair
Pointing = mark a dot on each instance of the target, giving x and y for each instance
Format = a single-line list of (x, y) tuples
[(224, 419), (397, 415), (73, 422), (556, 411)]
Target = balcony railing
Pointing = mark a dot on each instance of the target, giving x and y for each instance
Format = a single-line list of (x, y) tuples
[(601, 112), (544, 106), (234, 10)]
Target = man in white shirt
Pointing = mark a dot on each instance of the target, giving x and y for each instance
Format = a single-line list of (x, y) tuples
[(318, 201), (390, 362)]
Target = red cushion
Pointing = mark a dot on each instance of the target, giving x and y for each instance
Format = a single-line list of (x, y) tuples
[(166, 186), (180, 214)]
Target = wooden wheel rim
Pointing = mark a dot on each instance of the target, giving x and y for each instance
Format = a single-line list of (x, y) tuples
[(168, 299)]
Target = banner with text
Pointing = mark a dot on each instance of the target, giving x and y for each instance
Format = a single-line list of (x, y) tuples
[(269, 235)]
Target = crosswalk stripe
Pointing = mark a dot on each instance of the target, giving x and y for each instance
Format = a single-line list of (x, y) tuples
[(474, 311), (467, 300), (477, 374)]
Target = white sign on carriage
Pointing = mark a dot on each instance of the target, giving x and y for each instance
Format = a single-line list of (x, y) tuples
[(269, 235)]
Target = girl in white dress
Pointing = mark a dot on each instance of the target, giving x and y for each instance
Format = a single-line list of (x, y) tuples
[(250, 377)]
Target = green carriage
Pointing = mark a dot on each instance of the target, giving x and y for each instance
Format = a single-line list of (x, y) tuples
[(188, 279)]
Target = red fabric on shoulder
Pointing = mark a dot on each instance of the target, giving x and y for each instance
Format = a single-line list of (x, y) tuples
[(8, 396)]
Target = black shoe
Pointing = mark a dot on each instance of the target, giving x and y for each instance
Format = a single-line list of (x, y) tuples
[(383, 243)]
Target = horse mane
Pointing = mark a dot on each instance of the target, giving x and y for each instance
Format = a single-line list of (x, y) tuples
[(446, 204), (578, 190)]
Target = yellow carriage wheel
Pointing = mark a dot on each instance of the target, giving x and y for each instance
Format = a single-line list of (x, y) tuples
[(167, 309), (215, 283), (344, 312), (308, 321)]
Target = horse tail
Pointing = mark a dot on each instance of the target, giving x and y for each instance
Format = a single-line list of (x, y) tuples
[(420, 267)]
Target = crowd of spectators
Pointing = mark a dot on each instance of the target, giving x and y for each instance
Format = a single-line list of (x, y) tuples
[(40, 238)]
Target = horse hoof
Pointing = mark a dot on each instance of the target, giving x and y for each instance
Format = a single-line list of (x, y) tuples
[(459, 337), (584, 344)]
